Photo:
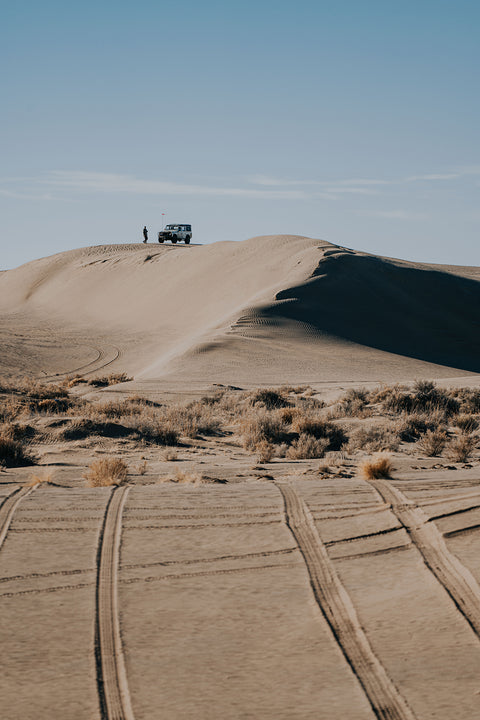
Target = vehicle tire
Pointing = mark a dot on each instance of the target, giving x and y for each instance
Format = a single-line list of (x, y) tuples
[(187, 240), (160, 240), (174, 239)]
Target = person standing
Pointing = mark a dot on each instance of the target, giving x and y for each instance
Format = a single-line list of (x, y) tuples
[(145, 234)]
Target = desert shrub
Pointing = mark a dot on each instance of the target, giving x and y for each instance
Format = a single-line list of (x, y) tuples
[(320, 429), (35, 479), (289, 414), (353, 403), (411, 427), (16, 431), (10, 408), (153, 430), (460, 448), (14, 453), (109, 471), (379, 466), (433, 442), (307, 447), (466, 423), (271, 399), (373, 439), (193, 420), (34, 389), (142, 467), (266, 451), (468, 398), (262, 427), (107, 380), (184, 477), (115, 409), (170, 455), (425, 397)]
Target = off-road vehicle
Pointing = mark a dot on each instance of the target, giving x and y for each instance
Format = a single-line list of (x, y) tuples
[(175, 233)]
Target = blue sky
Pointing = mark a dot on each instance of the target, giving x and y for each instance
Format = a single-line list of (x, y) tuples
[(355, 122)]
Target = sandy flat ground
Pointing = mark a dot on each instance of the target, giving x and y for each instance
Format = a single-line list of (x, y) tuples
[(272, 592)]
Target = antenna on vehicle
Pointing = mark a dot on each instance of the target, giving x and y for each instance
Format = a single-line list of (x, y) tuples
[(163, 221)]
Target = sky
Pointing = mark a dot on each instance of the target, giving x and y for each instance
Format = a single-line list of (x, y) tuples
[(353, 122)]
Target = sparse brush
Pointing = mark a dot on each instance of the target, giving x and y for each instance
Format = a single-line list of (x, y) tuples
[(35, 479), (469, 399), (142, 468), (116, 409), (14, 453), (411, 427), (433, 442), (16, 431), (112, 379), (378, 466), (170, 455), (266, 451), (260, 428), (466, 423), (75, 380), (11, 408), (269, 398), (308, 447), (353, 403), (289, 414), (150, 429), (320, 429), (109, 471), (461, 448), (373, 439), (183, 477)]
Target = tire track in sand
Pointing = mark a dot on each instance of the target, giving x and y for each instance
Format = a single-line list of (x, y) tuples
[(8, 508), (447, 568), (112, 682), (337, 608)]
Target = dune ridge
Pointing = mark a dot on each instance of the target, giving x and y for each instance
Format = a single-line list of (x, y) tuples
[(270, 308)]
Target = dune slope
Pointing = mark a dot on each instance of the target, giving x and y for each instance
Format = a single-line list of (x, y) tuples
[(269, 309)]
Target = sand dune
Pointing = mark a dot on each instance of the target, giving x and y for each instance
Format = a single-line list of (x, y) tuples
[(268, 310)]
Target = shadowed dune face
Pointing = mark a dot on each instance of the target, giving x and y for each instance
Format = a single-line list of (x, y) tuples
[(430, 315)]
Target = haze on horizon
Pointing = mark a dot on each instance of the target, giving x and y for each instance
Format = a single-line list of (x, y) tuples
[(355, 123)]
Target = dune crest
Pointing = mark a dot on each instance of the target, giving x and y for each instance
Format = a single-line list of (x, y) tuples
[(268, 309)]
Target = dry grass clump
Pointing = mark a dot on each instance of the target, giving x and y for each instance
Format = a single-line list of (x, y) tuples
[(467, 423), (262, 427), (433, 442), (170, 455), (182, 477), (354, 403), (411, 427), (320, 429), (373, 439), (425, 397), (11, 408), (106, 472), (193, 420), (115, 409), (468, 399), (81, 428), (107, 380), (269, 398), (142, 468), (265, 451), (378, 466), (307, 447), (152, 429), (15, 453), (461, 448), (35, 479)]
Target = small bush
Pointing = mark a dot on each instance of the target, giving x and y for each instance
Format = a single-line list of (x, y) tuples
[(191, 478), (14, 453), (266, 451), (353, 403), (307, 447), (112, 379), (373, 439), (263, 427), (433, 442), (379, 466), (466, 423), (46, 478), (109, 471), (271, 399), (116, 409), (142, 468), (170, 455), (320, 429), (411, 427), (461, 448)]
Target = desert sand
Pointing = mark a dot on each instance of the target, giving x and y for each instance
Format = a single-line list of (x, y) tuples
[(266, 587)]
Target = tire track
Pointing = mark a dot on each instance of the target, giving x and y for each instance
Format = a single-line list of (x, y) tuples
[(338, 610), (447, 568), (8, 508), (112, 683)]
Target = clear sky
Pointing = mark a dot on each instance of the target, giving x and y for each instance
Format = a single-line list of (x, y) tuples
[(352, 121)]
